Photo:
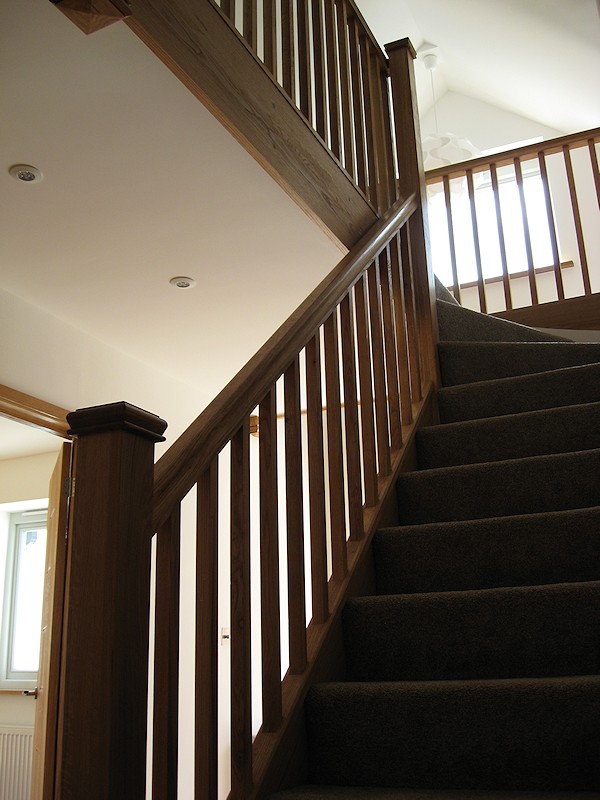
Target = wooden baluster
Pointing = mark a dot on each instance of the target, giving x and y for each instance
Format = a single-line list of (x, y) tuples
[(370, 125), (351, 421), (367, 416), (333, 80), (228, 8), (451, 242), (103, 703), (594, 165), (501, 239), (241, 677), (391, 351), (251, 23), (346, 88), (316, 481), (411, 180), (476, 247), (304, 68), (585, 274), (269, 564), (357, 106), (382, 429), (414, 345), (526, 233), (381, 143), (166, 660), (207, 537), (288, 50), (401, 317), (334, 450), (560, 290), (318, 36), (387, 121), (270, 36), (295, 523)]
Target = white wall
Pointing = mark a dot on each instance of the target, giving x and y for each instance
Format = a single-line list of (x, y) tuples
[(486, 125), (45, 357)]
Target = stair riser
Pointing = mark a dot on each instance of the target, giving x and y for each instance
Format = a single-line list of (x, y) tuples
[(563, 430), (515, 395), (469, 362), (513, 551), (501, 633), (525, 486), (523, 736)]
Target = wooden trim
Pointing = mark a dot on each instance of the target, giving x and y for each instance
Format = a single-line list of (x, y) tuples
[(514, 275), (527, 152), (93, 15), (176, 471), (220, 69), (33, 411), (573, 313)]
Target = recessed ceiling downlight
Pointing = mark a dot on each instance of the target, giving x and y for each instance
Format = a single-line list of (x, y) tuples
[(181, 282), (26, 173)]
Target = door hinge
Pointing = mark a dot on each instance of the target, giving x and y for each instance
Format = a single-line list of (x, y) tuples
[(69, 486)]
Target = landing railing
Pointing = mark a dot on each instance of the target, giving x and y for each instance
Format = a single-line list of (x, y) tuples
[(519, 228), (327, 61)]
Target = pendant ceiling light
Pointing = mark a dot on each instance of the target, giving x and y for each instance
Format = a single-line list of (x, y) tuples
[(442, 149)]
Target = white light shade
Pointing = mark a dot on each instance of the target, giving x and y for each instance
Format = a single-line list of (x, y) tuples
[(442, 149)]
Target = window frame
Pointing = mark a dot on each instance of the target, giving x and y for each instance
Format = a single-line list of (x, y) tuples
[(18, 519)]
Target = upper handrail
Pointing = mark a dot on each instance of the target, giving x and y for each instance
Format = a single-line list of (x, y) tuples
[(504, 158), (177, 470)]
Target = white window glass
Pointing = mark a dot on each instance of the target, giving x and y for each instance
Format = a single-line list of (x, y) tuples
[(27, 598), (23, 599)]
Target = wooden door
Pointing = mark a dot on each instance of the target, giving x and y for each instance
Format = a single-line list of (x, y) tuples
[(44, 741)]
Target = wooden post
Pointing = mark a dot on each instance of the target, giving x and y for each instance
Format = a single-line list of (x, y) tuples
[(412, 179), (101, 751)]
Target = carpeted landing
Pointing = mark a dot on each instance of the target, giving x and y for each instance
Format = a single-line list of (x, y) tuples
[(474, 673)]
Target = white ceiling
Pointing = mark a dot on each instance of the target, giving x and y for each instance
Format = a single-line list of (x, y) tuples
[(536, 58), (18, 440), (141, 183)]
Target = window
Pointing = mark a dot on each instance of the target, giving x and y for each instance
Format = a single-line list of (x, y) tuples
[(23, 597)]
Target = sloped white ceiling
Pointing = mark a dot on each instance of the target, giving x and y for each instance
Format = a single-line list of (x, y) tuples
[(536, 58)]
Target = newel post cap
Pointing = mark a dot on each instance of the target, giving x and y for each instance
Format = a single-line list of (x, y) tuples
[(116, 416), (401, 44)]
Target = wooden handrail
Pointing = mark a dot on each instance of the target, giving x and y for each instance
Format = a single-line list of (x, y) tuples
[(177, 470), (503, 159)]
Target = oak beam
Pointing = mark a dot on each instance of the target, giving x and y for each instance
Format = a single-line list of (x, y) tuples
[(93, 15), (206, 53)]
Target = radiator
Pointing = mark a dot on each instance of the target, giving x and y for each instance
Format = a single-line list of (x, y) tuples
[(16, 749)]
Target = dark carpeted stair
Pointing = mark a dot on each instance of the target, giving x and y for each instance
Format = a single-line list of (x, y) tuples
[(474, 672)]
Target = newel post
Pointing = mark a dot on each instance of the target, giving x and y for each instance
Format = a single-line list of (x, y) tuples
[(101, 748), (412, 179)]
